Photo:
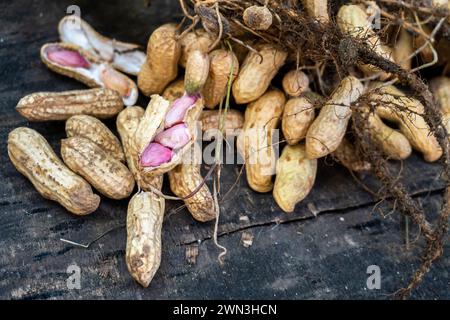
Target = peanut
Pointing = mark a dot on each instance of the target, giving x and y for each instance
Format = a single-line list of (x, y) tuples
[(295, 82), (48, 106), (166, 134), (354, 21), (393, 144), (232, 123), (127, 122), (255, 141), (197, 70), (104, 172), (161, 65), (326, 132), (144, 222), (257, 17), (440, 87), (347, 155), (194, 40), (33, 157), (404, 49), (317, 9), (174, 90), (298, 115), (393, 105), (76, 63), (223, 62), (94, 130), (257, 72), (295, 177), (184, 180)]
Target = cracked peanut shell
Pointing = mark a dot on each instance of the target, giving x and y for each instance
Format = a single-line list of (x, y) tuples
[(127, 122)]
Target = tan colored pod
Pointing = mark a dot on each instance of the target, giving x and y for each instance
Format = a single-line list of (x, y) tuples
[(393, 105), (161, 65), (50, 106), (440, 87), (347, 155), (33, 157), (257, 72), (127, 122), (184, 179), (144, 223), (174, 90), (194, 40), (298, 115), (94, 130), (317, 9), (328, 129), (255, 141), (295, 177), (295, 82), (393, 143), (104, 172), (153, 122), (76, 63), (126, 57), (354, 21), (197, 70), (257, 17), (403, 49), (232, 122), (215, 89)]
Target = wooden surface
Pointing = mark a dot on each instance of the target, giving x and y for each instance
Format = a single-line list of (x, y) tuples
[(320, 251)]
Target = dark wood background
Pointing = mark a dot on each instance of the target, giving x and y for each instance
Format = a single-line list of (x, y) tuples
[(320, 251)]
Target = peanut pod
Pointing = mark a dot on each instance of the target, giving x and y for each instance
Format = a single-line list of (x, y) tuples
[(47, 106), (174, 90), (123, 56), (355, 22), (195, 40), (127, 122), (328, 129), (347, 155), (295, 177), (161, 65), (232, 123), (144, 222), (166, 133), (184, 180), (295, 82), (298, 115), (94, 130), (223, 64), (254, 143), (393, 143), (197, 70), (317, 9), (257, 17), (76, 63), (104, 172), (33, 157), (393, 105), (257, 72)]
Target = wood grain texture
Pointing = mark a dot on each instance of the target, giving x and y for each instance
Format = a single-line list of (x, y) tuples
[(297, 255)]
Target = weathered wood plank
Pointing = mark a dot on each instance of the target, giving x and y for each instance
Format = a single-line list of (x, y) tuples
[(33, 260)]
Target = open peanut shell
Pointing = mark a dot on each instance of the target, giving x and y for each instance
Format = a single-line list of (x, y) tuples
[(126, 57), (154, 123), (74, 62)]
